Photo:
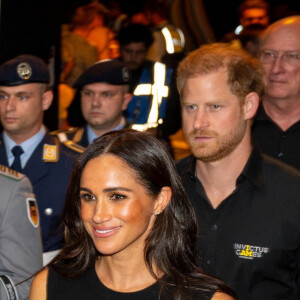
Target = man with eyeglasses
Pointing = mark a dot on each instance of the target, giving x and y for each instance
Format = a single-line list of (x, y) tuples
[(97, 108), (276, 129)]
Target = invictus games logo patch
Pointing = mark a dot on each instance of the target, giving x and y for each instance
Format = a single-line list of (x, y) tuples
[(125, 74), (249, 251), (24, 70)]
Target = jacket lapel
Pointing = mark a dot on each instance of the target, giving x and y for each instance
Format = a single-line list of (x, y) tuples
[(36, 167), (3, 155)]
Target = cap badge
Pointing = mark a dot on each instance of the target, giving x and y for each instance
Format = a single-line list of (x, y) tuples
[(24, 70), (125, 74)]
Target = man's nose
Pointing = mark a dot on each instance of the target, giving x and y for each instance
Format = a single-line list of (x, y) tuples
[(277, 65), (11, 103), (201, 119)]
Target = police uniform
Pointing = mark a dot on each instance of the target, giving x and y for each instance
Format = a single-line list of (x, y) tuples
[(79, 136), (76, 135), (50, 164), (155, 102), (113, 72), (49, 176), (20, 240)]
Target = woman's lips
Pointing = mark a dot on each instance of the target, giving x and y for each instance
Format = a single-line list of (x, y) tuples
[(105, 232)]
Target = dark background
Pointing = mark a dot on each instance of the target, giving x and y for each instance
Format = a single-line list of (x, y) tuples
[(33, 27)]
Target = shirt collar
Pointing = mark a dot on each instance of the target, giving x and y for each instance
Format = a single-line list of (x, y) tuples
[(28, 146), (252, 171), (261, 114), (92, 136)]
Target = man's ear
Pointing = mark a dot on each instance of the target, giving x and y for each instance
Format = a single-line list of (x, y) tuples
[(162, 200), (127, 99), (47, 99), (251, 105)]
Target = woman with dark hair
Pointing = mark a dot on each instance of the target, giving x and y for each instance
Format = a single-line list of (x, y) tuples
[(130, 230)]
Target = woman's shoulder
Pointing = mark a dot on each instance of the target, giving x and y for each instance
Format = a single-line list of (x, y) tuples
[(221, 296), (38, 290)]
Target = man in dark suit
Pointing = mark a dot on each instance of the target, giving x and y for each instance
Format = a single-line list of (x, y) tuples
[(27, 146)]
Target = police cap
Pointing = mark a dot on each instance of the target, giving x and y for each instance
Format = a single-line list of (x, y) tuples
[(24, 69), (109, 71)]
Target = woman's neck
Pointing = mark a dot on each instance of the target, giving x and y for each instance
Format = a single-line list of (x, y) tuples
[(124, 274)]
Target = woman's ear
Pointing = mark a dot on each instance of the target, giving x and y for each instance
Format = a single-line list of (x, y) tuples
[(251, 105), (162, 200)]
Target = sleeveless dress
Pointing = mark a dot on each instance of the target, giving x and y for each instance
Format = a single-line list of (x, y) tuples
[(87, 286)]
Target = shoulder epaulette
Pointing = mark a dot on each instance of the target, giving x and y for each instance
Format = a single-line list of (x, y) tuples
[(66, 131), (62, 136), (78, 135), (8, 172)]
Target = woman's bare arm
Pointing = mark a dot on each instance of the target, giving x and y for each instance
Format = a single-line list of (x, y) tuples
[(221, 296), (38, 289)]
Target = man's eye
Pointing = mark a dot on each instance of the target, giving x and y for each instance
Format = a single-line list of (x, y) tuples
[(23, 97), (215, 106), (141, 52), (3, 97), (292, 56), (268, 55), (191, 108), (87, 94), (127, 51), (87, 197), (108, 95)]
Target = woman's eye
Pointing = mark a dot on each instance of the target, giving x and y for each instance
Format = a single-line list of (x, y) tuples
[(117, 197), (87, 197)]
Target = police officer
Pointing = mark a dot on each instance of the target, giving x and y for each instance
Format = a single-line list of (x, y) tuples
[(27, 146), (102, 96), (155, 103), (20, 240)]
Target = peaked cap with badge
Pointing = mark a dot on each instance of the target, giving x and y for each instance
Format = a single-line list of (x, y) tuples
[(50, 163), (109, 71), (24, 69)]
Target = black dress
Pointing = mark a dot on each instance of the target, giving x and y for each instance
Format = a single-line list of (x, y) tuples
[(88, 286)]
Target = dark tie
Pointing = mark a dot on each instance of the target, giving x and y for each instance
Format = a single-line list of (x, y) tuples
[(17, 151)]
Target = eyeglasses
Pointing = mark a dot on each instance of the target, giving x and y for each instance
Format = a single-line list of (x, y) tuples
[(289, 57)]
